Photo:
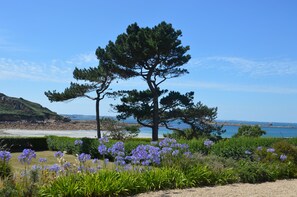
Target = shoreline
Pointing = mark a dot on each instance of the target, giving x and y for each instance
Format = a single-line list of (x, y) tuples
[(65, 133)]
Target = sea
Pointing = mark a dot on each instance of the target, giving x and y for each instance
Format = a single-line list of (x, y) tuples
[(273, 129)]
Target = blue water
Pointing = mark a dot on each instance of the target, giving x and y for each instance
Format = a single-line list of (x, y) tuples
[(273, 129), (231, 130)]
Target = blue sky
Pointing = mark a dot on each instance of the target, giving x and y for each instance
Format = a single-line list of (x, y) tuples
[(244, 53)]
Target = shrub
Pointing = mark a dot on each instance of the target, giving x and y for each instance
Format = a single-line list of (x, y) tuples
[(285, 148), (249, 131), (67, 144), (118, 130), (17, 144), (255, 172), (236, 148)]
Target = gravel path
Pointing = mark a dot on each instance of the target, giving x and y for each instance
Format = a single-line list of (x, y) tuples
[(281, 188)]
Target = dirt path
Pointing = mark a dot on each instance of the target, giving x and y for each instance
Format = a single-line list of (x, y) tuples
[(282, 188)]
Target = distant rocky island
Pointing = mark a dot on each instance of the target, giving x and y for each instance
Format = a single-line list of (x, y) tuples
[(18, 109)]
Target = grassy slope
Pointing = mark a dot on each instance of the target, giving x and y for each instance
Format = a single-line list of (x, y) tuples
[(28, 108)]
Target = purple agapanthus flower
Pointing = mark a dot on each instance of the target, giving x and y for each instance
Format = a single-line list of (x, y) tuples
[(106, 161), (175, 152), (42, 160), (270, 150), (103, 140), (83, 157), (117, 149), (5, 156), (102, 149), (188, 154), (54, 168), (95, 160), (59, 154), (259, 148), (78, 142), (283, 157), (26, 156), (67, 165), (208, 143), (167, 142)]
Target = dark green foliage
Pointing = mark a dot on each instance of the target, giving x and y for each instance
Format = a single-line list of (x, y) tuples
[(249, 131), (17, 144), (255, 172), (153, 54), (201, 120), (56, 143), (284, 147), (112, 183), (235, 147), (195, 145), (5, 169)]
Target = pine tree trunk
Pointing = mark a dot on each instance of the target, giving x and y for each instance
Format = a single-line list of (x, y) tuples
[(156, 118), (98, 118)]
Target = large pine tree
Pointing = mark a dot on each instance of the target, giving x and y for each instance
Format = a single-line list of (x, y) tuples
[(154, 54)]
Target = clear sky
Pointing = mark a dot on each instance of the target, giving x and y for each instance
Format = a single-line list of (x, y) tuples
[(244, 53)]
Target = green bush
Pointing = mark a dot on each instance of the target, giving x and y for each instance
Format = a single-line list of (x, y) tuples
[(249, 131), (18, 144), (235, 147), (284, 147), (195, 145), (56, 143), (257, 172)]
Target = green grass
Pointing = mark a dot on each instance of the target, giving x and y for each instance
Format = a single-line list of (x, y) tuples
[(49, 155)]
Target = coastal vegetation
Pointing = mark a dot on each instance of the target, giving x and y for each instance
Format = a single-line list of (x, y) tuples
[(91, 167)]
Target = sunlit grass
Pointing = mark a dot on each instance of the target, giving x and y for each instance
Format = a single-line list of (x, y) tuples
[(49, 155)]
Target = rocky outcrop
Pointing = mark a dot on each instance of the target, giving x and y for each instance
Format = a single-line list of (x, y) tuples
[(18, 109)]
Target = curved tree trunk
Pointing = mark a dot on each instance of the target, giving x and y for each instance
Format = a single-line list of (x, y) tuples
[(98, 118), (156, 118)]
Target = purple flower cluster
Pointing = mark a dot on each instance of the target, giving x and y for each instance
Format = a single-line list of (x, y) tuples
[(102, 149), (152, 155), (54, 168), (259, 148), (78, 142), (83, 157), (247, 152), (270, 150), (103, 140), (118, 152), (208, 143), (283, 157), (26, 156), (145, 155), (59, 154), (5, 156), (66, 165), (42, 160)]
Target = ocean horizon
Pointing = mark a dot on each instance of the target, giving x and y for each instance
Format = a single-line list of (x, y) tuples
[(273, 129)]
